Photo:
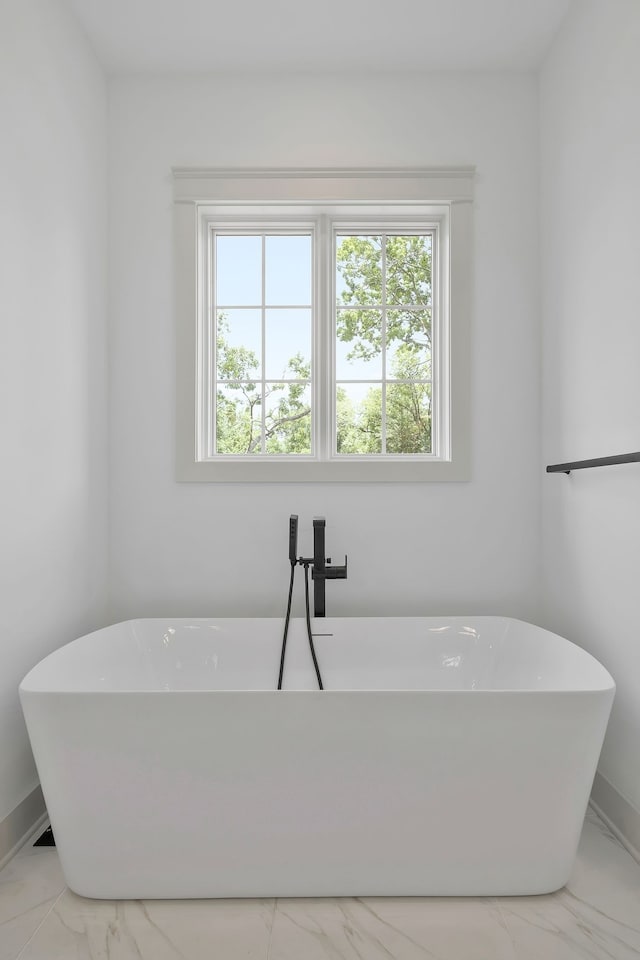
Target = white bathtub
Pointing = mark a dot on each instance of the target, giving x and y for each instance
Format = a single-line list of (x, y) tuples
[(445, 757)]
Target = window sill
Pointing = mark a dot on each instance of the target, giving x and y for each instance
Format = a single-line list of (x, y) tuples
[(305, 471)]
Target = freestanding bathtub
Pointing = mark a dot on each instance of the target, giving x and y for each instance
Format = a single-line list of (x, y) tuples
[(444, 757)]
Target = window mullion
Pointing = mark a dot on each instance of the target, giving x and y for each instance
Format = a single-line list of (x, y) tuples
[(209, 373), (436, 359), (383, 421)]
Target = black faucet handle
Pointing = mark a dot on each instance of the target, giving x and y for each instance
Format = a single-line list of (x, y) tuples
[(338, 572), (331, 573), (293, 538)]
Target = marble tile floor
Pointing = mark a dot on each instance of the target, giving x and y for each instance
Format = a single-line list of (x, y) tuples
[(596, 916)]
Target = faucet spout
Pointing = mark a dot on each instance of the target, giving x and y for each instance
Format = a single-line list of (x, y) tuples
[(319, 593)]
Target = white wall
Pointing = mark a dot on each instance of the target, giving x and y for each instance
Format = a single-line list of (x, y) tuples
[(52, 349), (201, 549), (590, 215)]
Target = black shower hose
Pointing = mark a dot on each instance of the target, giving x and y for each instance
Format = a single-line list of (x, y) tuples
[(309, 634), (286, 625)]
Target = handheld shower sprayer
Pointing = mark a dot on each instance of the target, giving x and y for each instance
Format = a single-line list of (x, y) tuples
[(293, 538)]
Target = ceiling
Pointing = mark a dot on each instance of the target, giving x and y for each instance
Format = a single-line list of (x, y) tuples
[(192, 36)]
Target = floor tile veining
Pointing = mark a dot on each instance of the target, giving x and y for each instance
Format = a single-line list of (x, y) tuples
[(595, 917)]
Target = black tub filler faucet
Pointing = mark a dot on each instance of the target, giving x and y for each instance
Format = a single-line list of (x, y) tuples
[(321, 570)]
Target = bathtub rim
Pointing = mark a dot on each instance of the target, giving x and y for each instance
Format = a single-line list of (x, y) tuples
[(607, 684)]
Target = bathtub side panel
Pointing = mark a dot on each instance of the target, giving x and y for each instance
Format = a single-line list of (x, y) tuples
[(316, 794)]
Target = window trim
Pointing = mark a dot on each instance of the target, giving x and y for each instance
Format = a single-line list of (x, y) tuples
[(195, 190)]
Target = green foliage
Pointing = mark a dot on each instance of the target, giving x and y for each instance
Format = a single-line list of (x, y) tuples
[(408, 283), (288, 422), (409, 418), (239, 403), (359, 426), (408, 412)]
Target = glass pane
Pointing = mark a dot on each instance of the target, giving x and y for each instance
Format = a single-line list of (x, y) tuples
[(238, 418), (288, 345), (359, 418), (358, 270), (239, 271), (409, 270), (359, 344), (238, 344), (288, 418), (409, 418), (288, 270), (409, 345)]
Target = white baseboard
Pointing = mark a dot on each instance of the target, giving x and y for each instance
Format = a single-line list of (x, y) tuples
[(620, 816), (15, 829)]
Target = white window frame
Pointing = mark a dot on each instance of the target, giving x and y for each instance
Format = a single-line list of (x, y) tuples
[(216, 220), (325, 200)]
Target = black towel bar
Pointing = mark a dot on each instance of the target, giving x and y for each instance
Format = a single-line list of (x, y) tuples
[(598, 462)]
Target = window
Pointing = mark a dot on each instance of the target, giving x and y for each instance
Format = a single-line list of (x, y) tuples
[(382, 332), (323, 325), (258, 396)]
